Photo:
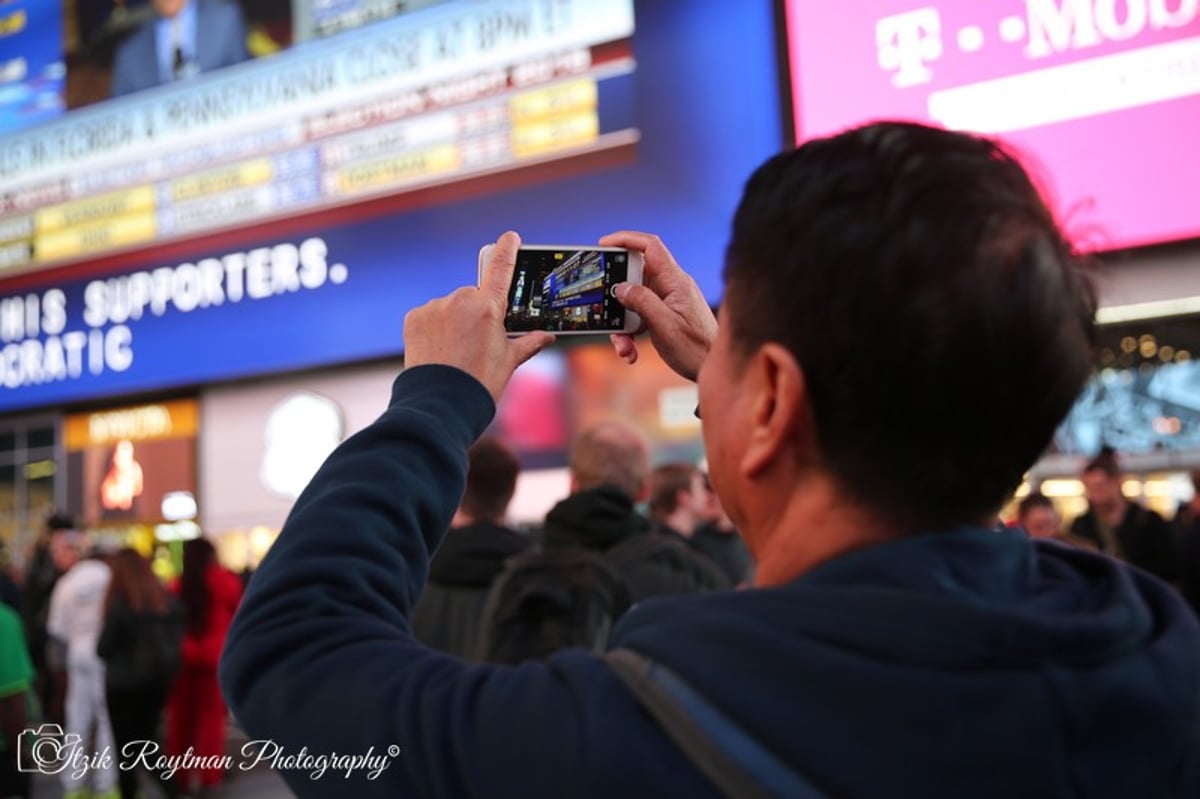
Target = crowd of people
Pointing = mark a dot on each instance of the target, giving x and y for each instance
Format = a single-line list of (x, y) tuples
[(895, 640), (101, 656), (829, 610), (492, 590), (1123, 528)]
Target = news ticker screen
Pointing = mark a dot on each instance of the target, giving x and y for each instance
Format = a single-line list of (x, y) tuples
[(442, 95), (1101, 98), (32, 69)]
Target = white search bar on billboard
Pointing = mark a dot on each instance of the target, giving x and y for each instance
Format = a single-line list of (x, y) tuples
[(1072, 91)]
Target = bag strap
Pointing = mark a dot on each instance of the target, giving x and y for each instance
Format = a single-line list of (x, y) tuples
[(739, 766)]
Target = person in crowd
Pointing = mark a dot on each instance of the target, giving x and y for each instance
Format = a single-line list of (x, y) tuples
[(196, 713), (682, 503), (182, 39), (679, 499), (76, 617), (894, 642), (1118, 527), (140, 644), (610, 470), (717, 539), (1186, 529), (472, 554), (41, 575), (10, 592), (16, 691)]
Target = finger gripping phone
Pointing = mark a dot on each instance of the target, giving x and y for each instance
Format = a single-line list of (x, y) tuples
[(568, 289)]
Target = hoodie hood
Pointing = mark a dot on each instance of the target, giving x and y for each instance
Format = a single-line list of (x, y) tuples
[(597, 518), (999, 662), (474, 555)]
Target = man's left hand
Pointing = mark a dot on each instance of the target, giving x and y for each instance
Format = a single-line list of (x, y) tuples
[(465, 329)]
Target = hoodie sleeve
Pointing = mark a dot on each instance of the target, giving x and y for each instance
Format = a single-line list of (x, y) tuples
[(320, 658)]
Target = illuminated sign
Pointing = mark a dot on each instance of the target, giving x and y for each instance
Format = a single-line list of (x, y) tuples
[(124, 463), (1102, 97), (457, 91)]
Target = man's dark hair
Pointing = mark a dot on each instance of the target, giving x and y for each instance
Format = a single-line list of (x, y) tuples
[(59, 521), (491, 480), (666, 481), (912, 271), (1034, 500), (1105, 461)]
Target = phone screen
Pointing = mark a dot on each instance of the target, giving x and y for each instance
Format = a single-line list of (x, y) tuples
[(561, 290)]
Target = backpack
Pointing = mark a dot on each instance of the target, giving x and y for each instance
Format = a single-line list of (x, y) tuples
[(550, 599)]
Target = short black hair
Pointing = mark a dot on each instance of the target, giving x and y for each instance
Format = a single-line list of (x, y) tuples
[(1105, 461), (912, 272), (491, 479)]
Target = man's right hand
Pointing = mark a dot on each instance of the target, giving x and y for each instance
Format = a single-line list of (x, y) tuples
[(673, 310)]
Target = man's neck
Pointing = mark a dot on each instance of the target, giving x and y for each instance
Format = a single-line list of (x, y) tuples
[(814, 524)]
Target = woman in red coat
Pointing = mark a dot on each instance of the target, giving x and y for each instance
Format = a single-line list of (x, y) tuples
[(196, 712)]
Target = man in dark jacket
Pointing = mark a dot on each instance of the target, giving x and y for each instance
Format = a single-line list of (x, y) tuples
[(893, 645), (182, 39), (682, 502), (1118, 527), (41, 575), (472, 554), (610, 466)]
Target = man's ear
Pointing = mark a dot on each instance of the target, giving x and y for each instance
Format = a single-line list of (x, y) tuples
[(778, 404)]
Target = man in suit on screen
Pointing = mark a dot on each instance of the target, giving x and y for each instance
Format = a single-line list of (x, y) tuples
[(182, 39)]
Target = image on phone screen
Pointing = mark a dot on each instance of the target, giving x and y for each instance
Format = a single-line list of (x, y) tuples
[(566, 290)]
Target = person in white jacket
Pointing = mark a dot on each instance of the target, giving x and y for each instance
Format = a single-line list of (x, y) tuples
[(76, 617)]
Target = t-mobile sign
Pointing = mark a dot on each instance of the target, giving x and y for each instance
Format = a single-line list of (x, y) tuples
[(1101, 96)]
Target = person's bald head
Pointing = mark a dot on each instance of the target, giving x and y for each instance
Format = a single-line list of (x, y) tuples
[(614, 454)]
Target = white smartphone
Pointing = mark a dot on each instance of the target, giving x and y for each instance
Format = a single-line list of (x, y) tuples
[(568, 289)]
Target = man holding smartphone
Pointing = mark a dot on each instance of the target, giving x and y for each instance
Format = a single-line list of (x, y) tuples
[(858, 433)]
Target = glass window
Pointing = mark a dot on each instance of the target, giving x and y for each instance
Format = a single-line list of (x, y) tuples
[(39, 496), (41, 436), (8, 489)]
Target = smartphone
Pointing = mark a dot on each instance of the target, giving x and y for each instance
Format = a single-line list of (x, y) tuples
[(568, 289)]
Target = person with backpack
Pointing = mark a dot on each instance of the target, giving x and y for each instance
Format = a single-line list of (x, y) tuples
[(610, 474), (140, 643), (472, 555), (598, 556), (879, 284)]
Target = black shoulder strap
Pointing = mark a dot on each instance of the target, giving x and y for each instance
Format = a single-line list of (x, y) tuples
[(730, 758)]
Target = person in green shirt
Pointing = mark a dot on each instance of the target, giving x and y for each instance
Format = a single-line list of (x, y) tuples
[(16, 678)]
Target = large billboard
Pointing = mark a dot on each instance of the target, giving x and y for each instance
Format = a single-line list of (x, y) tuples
[(304, 290), (1101, 97)]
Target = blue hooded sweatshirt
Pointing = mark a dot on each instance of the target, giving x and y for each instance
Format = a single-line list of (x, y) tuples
[(964, 663)]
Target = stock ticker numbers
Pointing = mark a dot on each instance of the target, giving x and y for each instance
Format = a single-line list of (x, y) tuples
[(397, 107)]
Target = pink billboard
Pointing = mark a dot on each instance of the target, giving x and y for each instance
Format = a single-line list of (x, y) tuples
[(1101, 97)]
